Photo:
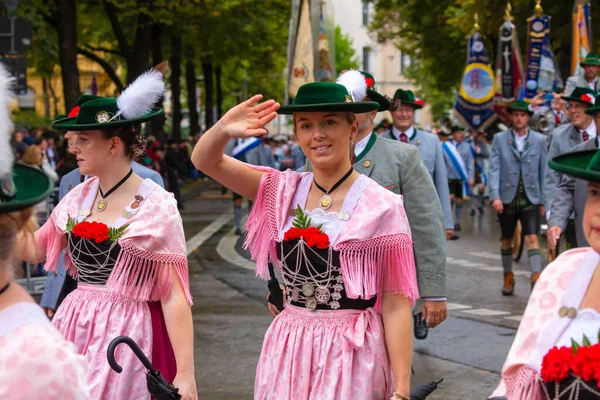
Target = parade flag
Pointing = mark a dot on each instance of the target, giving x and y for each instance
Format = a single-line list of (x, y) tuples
[(542, 73), (582, 35), (459, 164), (509, 67), (302, 67), (474, 103), (324, 72)]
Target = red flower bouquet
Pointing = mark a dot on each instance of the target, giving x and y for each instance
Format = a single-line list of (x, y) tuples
[(572, 372), (99, 232), (301, 229)]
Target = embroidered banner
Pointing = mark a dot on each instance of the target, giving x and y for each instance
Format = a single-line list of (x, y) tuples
[(582, 38), (459, 164), (474, 103), (301, 70)]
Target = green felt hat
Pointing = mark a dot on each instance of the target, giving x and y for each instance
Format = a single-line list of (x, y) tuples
[(25, 188), (326, 96), (73, 113), (384, 103), (134, 106), (456, 128), (579, 164), (592, 58), (583, 95), (406, 97), (519, 105), (596, 108)]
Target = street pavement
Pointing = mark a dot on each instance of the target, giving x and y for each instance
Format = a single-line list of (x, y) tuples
[(231, 317)]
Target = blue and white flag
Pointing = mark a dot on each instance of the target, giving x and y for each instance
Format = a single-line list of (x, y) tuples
[(244, 145), (479, 167), (474, 105), (459, 165)]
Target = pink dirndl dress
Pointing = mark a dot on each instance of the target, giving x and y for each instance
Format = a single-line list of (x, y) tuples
[(333, 347), (120, 287)]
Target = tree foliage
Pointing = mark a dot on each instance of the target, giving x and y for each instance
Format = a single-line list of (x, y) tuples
[(433, 33), (345, 55)]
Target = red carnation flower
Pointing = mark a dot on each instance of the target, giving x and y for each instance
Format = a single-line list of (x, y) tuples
[(74, 112), (292, 234), (419, 102), (555, 365), (96, 231), (370, 82), (586, 363)]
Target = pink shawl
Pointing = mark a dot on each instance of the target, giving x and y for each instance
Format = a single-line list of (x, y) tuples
[(375, 248), (152, 246), (564, 282)]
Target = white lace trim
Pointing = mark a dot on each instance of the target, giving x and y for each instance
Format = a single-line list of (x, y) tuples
[(332, 223), (588, 314), (17, 315)]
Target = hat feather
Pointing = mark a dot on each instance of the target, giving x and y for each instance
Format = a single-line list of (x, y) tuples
[(6, 125), (355, 83), (139, 97)]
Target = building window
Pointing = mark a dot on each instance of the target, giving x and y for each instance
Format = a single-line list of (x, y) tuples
[(405, 62), (366, 59), (365, 13)]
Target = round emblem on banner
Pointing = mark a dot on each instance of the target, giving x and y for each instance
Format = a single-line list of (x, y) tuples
[(538, 26), (477, 84), (478, 46), (531, 84), (476, 120)]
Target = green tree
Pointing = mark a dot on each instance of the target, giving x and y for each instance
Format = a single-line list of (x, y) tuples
[(433, 33), (345, 55)]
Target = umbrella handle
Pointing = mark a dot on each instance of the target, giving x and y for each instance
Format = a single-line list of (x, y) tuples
[(133, 346)]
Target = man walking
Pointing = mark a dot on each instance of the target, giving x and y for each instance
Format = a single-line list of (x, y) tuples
[(403, 107), (517, 168), (589, 79), (461, 170)]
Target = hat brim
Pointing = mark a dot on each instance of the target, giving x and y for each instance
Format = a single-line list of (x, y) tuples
[(595, 63), (357, 108), (384, 103), (576, 164), (32, 185), (569, 98), (411, 104), (70, 125), (592, 111), (510, 110)]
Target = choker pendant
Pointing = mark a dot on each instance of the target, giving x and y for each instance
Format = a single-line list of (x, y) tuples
[(101, 205), (325, 202)]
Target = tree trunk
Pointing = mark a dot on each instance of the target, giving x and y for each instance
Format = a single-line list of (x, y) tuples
[(207, 69), (66, 18), (190, 78), (139, 53), (219, 92), (46, 97), (54, 98), (175, 63), (157, 124)]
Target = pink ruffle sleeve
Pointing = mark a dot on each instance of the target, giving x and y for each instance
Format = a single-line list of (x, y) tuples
[(51, 239)]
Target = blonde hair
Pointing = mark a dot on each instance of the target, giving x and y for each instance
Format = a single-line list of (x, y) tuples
[(32, 156), (10, 225)]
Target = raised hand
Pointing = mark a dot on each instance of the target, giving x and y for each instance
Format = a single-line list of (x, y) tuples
[(248, 118)]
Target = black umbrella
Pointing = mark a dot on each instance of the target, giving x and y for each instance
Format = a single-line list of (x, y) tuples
[(158, 387), (420, 392)]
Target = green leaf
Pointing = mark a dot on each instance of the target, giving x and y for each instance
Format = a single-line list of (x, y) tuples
[(70, 224), (115, 233), (574, 346), (586, 341)]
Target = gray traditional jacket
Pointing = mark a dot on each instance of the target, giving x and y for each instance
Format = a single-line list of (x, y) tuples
[(397, 167), (562, 141), (570, 197), (579, 80), (432, 155), (507, 164)]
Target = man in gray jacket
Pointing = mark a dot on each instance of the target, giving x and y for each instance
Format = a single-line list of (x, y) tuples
[(589, 79), (571, 194), (403, 110), (517, 167)]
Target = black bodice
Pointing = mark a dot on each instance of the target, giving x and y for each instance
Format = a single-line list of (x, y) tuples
[(312, 278), (94, 261)]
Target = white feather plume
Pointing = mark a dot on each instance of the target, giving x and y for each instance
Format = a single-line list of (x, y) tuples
[(355, 83), (6, 125), (139, 97)]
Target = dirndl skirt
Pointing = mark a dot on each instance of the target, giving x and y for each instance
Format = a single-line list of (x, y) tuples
[(91, 317), (321, 354)]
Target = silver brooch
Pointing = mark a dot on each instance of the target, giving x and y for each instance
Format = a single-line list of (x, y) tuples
[(102, 117)]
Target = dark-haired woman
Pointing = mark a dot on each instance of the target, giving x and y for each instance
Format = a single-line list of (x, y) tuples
[(345, 332), (134, 280)]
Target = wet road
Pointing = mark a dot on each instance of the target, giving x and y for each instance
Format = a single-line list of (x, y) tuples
[(230, 314)]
